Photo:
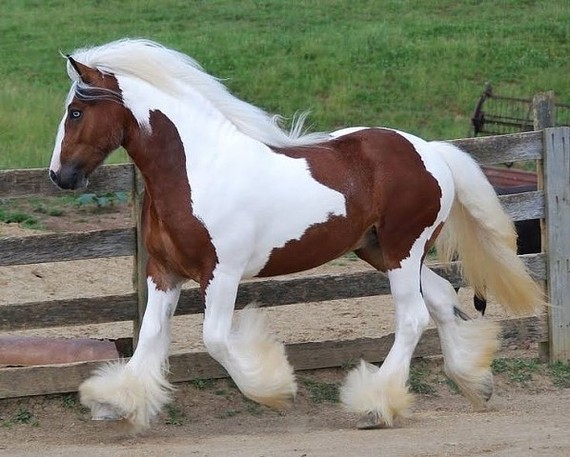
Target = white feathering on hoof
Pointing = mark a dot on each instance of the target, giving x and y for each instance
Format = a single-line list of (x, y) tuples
[(365, 392), (115, 392), (468, 361), (259, 365)]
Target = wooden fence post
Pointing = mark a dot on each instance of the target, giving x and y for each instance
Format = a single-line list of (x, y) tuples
[(141, 256), (543, 110), (557, 191), (543, 114)]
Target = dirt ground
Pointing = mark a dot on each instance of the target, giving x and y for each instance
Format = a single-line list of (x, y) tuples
[(529, 417)]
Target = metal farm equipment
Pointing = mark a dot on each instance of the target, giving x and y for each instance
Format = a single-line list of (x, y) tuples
[(498, 115)]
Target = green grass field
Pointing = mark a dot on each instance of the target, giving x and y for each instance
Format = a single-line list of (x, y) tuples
[(417, 66)]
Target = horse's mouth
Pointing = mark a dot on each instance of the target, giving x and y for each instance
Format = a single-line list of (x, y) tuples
[(69, 178)]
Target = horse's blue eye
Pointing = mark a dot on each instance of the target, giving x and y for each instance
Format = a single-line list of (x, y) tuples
[(74, 114)]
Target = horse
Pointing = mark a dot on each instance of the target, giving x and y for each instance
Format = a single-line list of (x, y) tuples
[(232, 194)]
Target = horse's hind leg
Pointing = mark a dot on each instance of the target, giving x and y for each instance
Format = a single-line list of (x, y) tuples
[(468, 346), (380, 395)]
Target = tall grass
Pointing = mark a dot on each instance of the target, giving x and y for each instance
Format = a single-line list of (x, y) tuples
[(414, 65)]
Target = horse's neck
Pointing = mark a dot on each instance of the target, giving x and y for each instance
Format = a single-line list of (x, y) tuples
[(183, 139)]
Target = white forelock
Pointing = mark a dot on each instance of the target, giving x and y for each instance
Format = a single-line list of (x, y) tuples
[(172, 72)]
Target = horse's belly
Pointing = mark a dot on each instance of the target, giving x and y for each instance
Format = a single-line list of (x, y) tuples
[(320, 244)]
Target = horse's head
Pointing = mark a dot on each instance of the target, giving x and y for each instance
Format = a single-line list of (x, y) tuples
[(92, 127)]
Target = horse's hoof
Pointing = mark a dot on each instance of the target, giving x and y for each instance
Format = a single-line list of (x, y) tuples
[(370, 421), (105, 412)]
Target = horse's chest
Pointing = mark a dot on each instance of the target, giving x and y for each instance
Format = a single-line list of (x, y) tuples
[(179, 242)]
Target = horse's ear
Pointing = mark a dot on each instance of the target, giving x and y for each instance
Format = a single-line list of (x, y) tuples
[(87, 74)]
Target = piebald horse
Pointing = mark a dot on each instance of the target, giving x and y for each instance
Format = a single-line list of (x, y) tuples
[(230, 194)]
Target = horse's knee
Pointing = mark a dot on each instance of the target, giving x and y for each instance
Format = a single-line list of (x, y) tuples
[(412, 315), (215, 341)]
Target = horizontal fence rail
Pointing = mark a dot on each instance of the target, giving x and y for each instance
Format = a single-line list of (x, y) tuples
[(515, 147), (523, 206), (268, 292), (60, 247), (36, 182)]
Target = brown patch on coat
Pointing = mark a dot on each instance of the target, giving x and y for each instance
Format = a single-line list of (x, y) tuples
[(178, 244), (390, 199)]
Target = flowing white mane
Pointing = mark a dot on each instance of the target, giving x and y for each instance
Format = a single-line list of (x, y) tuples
[(168, 69)]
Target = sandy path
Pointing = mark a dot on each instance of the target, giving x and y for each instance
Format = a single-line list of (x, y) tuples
[(519, 423)]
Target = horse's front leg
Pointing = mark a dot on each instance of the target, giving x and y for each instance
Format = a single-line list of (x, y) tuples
[(136, 391), (254, 359)]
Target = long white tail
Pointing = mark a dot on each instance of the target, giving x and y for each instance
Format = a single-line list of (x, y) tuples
[(483, 237)]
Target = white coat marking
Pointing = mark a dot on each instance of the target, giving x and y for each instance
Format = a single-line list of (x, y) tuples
[(55, 163)]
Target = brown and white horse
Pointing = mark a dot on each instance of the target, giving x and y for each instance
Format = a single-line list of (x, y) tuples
[(231, 195)]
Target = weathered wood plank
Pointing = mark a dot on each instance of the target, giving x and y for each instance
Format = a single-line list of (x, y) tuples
[(503, 148), (307, 356), (525, 329), (557, 189), (43, 380), (74, 311), (523, 206), (536, 264), (268, 292), (36, 182), (58, 247), (19, 382)]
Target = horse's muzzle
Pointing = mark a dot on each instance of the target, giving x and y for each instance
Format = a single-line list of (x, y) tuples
[(68, 177)]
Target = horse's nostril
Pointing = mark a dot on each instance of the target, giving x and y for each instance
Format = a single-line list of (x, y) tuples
[(54, 177)]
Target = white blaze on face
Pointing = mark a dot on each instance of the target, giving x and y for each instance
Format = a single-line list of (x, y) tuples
[(55, 163)]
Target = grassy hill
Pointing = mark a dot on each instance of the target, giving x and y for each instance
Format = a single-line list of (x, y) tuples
[(417, 66)]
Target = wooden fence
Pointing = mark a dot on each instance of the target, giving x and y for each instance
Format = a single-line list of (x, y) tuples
[(550, 147)]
